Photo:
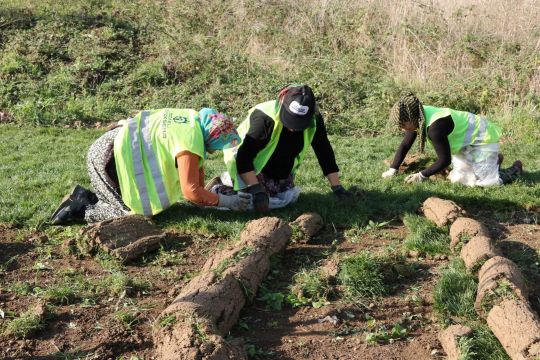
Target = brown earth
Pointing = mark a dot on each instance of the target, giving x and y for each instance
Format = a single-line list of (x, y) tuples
[(84, 329), (441, 212)]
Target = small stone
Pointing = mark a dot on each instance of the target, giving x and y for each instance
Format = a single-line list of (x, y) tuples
[(331, 319), (40, 309), (434, 352)]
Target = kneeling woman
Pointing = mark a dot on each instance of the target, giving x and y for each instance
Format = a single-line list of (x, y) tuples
[(148, 163), (468, 141)]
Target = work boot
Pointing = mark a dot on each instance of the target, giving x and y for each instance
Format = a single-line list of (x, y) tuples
[(73, 205), (213, 182), (518, 165)]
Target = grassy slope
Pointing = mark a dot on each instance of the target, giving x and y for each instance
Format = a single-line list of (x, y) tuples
[(91, 61), (39, 165)]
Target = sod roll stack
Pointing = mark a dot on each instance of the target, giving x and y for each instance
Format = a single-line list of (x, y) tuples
[(502, 295)]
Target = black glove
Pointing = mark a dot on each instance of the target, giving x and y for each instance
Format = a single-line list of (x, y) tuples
[(261, 201), (341, 194)]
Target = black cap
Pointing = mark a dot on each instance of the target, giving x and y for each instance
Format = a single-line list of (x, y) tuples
[(297, 108)]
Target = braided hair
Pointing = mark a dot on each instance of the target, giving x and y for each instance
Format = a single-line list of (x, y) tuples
[(408, 109)]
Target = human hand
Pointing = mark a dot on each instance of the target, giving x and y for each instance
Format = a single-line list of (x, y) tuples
[(415, 178), (237, 202), (341, 193), (261, 201), (389, 173)]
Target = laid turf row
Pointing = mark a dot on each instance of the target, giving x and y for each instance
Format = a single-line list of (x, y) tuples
[(501, 296)]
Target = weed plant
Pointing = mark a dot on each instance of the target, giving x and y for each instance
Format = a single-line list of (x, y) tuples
[(309, 287), (424, 236), (24, 325)]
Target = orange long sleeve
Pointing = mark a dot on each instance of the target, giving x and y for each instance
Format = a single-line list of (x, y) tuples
[(192, 180)]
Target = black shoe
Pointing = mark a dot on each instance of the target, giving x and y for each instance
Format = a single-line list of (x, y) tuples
[(83, 195), (73, 205)]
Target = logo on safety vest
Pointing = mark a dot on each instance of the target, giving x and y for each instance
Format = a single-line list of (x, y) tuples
[(179, 119)]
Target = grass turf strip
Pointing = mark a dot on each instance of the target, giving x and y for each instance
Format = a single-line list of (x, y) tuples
[(40, 165)]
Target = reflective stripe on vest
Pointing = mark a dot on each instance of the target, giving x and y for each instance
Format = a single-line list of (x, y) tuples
[(152, 162), (471, 126), (469, 129)]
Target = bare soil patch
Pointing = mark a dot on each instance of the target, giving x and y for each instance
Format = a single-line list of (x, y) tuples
[(92, 329)]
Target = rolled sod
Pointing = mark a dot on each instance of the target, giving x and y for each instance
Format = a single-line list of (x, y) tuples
[(449, 339), (310, 224), (477, 251), (498, 279), (441, 212), (517, 327), (462, 230), (194, 324)]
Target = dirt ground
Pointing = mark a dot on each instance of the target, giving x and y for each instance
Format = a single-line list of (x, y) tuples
[(90, 330)]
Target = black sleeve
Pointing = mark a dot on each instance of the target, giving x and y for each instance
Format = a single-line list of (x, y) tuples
[(438, 134), (258, 135), (323, 149), (403, 149)]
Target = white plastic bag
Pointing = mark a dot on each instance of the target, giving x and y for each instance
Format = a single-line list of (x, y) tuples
[(476, 165)]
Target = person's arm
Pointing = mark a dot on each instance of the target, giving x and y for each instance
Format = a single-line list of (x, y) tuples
[(403, 149), (438, 134), (258, 136), (325, 153), (190, 180)]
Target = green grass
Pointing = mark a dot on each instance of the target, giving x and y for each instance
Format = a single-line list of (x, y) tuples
[(34, 184), (481, 345), (100, 60), (362, 276), (455, 293), (127, 318), (424, 236)]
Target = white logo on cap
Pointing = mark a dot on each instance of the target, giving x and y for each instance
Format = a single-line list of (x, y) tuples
[(298, 109)]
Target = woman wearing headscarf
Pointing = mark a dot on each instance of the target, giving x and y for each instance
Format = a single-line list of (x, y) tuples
[(149, 163), (275, 138), (467, 141)]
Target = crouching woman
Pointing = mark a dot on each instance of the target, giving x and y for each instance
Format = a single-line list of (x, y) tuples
[(467, 141), (149, 163)]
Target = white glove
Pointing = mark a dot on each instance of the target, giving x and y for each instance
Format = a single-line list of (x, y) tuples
[(389, 173), (238, 202), (414, 178)]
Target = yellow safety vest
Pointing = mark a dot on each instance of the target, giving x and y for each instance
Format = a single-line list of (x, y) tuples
[(469, 129), (270, 108), (145, 152)]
